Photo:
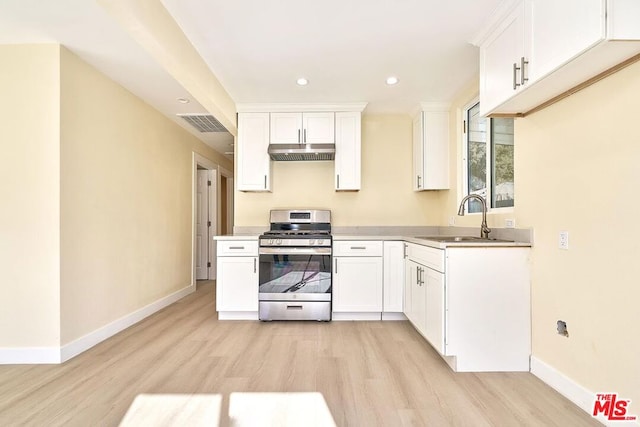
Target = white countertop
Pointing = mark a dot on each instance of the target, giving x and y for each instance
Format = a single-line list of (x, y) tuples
[(424, 242), (237, 237)]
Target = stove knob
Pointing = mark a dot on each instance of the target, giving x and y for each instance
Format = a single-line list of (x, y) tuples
[(312, 242), (271, 241), (279, 242)]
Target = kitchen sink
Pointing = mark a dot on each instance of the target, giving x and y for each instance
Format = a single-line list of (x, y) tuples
[(462, 239)]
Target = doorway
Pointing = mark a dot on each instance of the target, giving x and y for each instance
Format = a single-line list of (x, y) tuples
[(212, 206)]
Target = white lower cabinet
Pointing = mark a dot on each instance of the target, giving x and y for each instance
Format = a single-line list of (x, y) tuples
[(472, 304), (435, 306), (357, 280), (415, 302), (237, 280), (393, 279)]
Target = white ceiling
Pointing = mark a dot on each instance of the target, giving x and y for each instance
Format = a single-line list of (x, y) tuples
[(257, 49), (345, 48)]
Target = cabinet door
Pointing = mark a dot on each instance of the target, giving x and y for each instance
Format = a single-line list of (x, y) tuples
[(318, 128), (435, 126), (286, 128), (393, 280), (410, 277), (418, 299), (347, 160), (499, 57), (253, 163), (237, 284), (418, 153), (435, 309), (357, 284), (561, 30)]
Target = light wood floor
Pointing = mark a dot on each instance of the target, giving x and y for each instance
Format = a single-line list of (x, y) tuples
[(370, 373)]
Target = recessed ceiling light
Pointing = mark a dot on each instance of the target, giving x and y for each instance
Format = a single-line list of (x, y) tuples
[(302, 81), (183, 100), (392, 80)]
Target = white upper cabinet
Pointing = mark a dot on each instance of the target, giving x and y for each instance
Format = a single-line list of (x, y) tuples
[(303, 128), (253, 163), (348, 146), (431, 147), (538, 50), (558, 39), (286, 128), (502, 57)]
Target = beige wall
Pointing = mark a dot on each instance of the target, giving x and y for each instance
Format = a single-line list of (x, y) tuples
[(30, 188), (577, 170), (576, 167), (386, 197), (126, 176), (96, 185)]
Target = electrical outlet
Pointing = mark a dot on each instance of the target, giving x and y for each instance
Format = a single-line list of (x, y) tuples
[(510, 223), (563, 240), (452, 220)]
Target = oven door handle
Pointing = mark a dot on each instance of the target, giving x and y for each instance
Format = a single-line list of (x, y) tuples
[(294, 251)]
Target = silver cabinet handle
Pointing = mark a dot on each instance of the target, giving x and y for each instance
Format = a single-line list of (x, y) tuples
[(359, 247), (336, 264), (299, 136), (417, 275), (265, 182), (418, 176), (304, 138), (523, 79), (254, 266), (294, 307), (515, 75), (338, 186), (404, 250), (236, 247)]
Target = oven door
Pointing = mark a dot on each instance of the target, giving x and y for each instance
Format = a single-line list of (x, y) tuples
[(295, 274)]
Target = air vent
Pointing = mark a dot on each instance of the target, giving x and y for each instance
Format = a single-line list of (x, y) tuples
[(204, 122)]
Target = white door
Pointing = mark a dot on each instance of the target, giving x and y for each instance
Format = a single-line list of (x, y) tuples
[(418, 153), (286, 128), (435, 310), (202, 225), (357, 284), (347, 160), (237, 284), (318, 128), (253, 163)]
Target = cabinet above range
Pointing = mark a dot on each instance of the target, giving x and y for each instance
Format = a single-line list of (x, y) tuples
[(298, 132)]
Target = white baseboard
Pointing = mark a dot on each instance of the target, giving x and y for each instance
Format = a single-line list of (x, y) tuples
[(46, 355), (356, 316), (563, 384), (237, 315), (85, 342), (29, 356), (573, 391), (393, 316)]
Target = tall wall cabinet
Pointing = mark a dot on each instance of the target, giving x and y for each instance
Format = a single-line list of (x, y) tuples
[(431, 147)]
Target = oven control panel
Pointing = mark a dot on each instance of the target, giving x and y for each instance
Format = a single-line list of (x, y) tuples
[(295, 242)]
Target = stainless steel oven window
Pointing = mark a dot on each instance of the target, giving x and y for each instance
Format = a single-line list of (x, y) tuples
[(295, 273)]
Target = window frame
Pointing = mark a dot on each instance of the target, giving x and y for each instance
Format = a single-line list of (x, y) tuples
[(464, 167)]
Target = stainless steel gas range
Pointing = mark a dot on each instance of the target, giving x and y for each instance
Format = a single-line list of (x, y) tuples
[(295, 266)]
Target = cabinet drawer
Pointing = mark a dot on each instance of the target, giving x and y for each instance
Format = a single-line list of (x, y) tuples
[(427, 256), (357, 248), (237, 247)]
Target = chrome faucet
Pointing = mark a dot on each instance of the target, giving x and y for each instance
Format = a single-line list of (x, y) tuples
[(484, 230)]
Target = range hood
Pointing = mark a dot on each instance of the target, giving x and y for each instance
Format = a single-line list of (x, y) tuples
[(305, 152)]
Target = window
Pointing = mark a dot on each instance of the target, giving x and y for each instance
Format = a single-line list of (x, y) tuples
[(488, 160)]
